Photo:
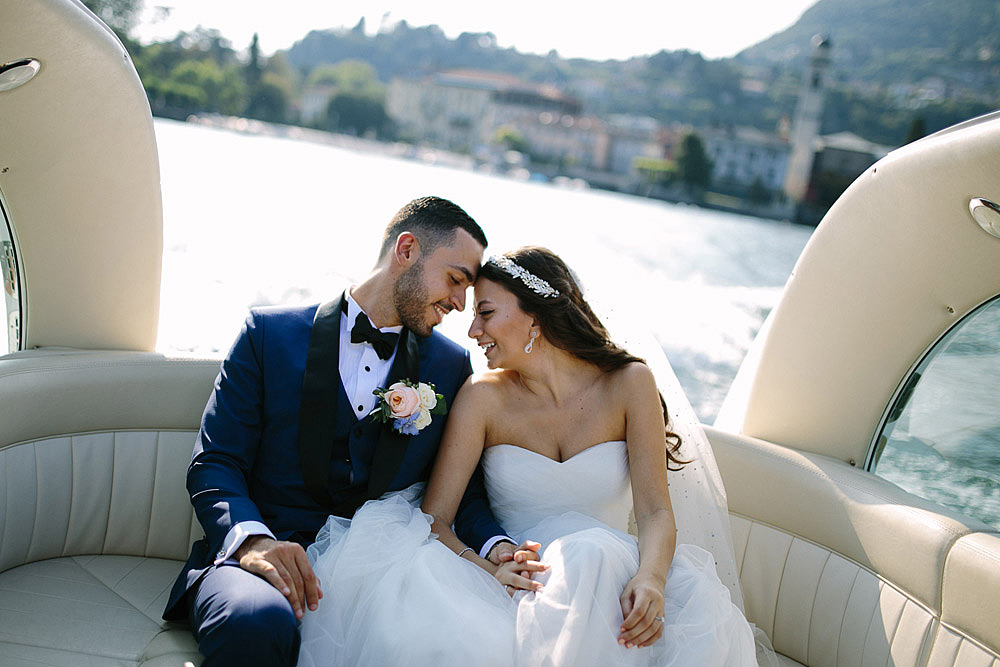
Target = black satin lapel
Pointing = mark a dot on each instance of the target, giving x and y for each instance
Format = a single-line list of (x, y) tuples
[(320, 384), (391, 446)]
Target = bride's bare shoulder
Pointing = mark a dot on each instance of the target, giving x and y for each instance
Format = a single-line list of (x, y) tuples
[(633, 380), (487, 384)]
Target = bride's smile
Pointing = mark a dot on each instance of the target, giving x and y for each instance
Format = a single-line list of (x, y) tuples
[(499, 326)]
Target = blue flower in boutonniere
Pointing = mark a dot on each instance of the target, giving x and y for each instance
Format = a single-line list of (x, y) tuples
[(408, 405)]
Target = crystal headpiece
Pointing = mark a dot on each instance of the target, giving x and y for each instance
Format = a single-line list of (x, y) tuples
[(533, 282)]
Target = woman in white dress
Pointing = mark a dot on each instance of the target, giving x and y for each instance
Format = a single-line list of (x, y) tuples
[(571, 432)]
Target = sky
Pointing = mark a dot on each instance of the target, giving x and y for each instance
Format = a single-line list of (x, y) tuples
[(617, 29)]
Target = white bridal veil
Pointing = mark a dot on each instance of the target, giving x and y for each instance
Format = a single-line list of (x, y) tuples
[(696, 492)]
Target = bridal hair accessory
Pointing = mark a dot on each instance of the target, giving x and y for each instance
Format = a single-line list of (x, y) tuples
[(408, 406), (533, 282), (527, 348)]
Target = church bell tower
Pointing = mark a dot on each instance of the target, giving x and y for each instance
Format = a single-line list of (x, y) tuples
[(806, 124)]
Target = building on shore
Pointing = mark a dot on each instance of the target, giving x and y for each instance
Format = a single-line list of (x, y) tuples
[(464, 110), (461, 109), (747, 162), (792, 173), (838, 161)]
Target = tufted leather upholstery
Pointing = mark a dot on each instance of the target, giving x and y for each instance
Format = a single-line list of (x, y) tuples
[(94, 517), (842, 569), (94, 527)]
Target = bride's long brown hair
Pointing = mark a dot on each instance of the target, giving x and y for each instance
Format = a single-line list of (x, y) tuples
[(568, 322)]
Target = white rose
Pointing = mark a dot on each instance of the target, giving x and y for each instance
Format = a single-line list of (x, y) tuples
[(422, 420), (428, 399)]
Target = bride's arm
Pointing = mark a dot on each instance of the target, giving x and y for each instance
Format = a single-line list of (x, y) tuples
[(459, 453), (642, 600)]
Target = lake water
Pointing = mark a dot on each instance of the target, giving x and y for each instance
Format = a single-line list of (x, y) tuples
[(253, 220)]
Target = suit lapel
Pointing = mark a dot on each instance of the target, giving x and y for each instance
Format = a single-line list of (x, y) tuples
[(391, 446), (320, 385)]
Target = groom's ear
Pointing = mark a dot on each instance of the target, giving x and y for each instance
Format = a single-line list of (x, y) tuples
[(407, 249)]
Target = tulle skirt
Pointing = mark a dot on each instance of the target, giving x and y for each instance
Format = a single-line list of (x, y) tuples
[(394, 595)]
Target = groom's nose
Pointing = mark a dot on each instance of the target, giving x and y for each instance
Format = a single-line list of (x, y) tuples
[(458, 298)]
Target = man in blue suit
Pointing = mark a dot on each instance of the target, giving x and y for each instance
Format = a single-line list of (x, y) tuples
[(286, 439)]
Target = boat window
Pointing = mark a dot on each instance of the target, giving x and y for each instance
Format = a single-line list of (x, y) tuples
[(941, 438), (10, 341)]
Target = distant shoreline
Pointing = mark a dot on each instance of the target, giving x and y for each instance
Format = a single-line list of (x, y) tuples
[(441, 157)]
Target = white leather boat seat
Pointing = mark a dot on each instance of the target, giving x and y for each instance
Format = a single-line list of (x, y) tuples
[(94, 517), (843, 569), (838, 567)]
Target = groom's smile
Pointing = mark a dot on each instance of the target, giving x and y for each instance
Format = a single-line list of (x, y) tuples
[(436, 284)]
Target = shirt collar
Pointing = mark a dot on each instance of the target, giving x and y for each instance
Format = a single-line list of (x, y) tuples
[(353, 309)]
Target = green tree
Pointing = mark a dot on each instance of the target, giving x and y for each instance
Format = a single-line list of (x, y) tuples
[(758, 193), (356, 77), (693, 165), (510, 138), (357, 114), (120, 15), (270, 100), (918, 130), (254, 69), (223, 87)]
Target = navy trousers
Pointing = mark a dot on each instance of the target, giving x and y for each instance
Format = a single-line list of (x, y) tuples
[(240, 619)]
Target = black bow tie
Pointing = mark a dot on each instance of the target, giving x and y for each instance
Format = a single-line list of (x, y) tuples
[(364, 332)]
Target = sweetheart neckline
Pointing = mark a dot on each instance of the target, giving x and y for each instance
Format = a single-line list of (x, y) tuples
[(531, 451)]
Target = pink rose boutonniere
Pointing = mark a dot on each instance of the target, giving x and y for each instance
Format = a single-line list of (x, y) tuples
[(408, 406)]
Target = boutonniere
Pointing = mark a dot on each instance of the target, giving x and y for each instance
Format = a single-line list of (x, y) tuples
[(408, 405)]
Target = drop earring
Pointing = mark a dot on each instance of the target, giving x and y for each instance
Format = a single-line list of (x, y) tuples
[(527, 348)]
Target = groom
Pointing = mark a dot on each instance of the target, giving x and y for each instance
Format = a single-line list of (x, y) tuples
[(286, 440)]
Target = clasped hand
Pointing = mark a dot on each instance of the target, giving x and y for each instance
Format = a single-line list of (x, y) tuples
[(516, 565), (283, 565), (642, 610)]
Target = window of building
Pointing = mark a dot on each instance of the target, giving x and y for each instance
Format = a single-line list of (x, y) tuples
[(11, 341), (941, 436)]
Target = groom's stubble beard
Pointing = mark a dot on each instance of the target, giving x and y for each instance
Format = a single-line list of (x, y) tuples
[(410, 296)]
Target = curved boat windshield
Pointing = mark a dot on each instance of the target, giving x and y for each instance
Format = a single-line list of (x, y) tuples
[(941, 438)]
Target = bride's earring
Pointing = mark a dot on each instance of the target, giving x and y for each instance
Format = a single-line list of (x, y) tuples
[(527, 348)]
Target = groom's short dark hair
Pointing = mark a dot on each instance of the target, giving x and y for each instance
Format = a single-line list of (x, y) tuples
[(434, 221)]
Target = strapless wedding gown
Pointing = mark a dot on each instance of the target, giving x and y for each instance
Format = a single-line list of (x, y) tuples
[(394, 595)]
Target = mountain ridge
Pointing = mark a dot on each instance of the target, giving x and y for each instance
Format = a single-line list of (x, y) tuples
[(893, 61)]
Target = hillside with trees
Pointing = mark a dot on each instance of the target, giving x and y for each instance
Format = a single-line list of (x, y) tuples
[(889, 42), (897, 64), (900, 68)]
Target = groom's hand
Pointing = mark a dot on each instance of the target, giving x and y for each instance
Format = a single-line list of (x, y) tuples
[(283, 565), (505, 551)]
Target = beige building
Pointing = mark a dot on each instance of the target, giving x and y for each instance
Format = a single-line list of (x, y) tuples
[(462, 109), (743, 156)]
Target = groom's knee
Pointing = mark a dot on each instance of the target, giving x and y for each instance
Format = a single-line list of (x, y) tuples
[(240, 619)]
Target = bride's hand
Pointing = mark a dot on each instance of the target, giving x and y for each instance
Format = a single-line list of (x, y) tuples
[(504, 551), (516, 576), (642, 609)]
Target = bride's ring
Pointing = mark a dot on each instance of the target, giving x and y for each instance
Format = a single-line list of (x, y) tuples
[(658, 618)]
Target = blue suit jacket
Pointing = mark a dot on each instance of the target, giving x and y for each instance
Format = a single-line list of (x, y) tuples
[(247, 466)]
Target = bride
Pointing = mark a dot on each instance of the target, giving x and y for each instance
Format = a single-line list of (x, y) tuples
[(571, 434)]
